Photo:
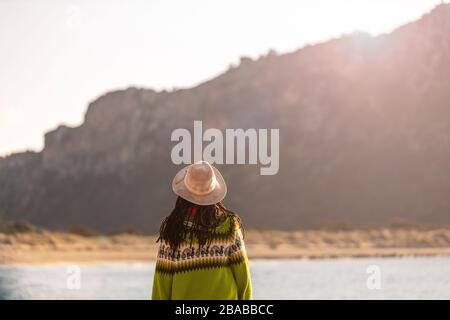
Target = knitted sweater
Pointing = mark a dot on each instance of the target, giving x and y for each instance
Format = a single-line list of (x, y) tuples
[(219, 271)]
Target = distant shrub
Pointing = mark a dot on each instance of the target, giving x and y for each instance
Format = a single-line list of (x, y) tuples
[(399, 223), (82, 230), (12, 227), (130, 231), (332, 225)]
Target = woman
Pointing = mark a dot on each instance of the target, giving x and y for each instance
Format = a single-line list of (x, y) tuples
[(202, 253)]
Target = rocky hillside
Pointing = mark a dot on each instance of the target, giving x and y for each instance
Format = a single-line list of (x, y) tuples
[(364, 139)]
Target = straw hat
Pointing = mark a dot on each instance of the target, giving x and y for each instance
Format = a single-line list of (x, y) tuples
[(200, 183)]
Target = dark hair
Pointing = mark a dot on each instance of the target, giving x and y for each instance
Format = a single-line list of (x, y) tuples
[(202, 221)]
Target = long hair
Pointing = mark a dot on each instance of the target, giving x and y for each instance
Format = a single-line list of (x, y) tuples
[(201, 223)]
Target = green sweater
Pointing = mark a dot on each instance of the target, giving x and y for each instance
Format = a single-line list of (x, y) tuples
[(218, 272)]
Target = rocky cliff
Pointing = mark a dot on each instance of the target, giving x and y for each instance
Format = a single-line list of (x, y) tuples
[(364, 139)]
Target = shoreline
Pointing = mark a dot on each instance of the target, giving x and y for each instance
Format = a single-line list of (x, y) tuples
[(45, 247), (81, 259)]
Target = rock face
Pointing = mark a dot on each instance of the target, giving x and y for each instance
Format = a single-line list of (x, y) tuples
[(364, 139)]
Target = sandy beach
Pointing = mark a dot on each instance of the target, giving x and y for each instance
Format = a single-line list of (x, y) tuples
[(58, 247)]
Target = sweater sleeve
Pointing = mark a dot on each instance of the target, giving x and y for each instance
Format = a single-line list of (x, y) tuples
[(240, 267), (162, 281)]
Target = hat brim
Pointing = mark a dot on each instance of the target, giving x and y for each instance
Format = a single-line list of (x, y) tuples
[(217, 195)]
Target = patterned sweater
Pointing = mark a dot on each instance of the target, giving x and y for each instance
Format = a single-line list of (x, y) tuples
[(218, 272)]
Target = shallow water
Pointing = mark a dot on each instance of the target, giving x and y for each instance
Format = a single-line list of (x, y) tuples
[(400, 278)]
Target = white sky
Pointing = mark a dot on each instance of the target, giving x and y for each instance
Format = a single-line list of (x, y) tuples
[(57, 56)]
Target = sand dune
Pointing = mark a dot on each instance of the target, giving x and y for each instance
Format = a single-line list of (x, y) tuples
[(55, 247)]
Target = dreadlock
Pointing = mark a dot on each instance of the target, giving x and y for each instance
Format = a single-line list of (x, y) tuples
[(203, 219)]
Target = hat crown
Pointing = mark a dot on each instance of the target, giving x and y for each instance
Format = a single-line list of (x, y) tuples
[(200, 178)]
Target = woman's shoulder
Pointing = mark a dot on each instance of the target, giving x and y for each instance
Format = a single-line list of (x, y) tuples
[(229, 225)]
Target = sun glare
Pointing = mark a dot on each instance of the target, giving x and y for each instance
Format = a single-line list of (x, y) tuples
[(155, 44)]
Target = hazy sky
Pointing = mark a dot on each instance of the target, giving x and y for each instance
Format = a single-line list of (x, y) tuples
[(57, 56)]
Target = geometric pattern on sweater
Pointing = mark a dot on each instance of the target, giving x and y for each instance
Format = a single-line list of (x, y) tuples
[(226, 235), (188, 257)]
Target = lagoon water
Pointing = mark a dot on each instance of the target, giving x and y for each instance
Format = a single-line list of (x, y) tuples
[(400, 278)]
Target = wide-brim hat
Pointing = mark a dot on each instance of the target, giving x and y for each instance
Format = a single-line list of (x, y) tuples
[(200, 183)]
